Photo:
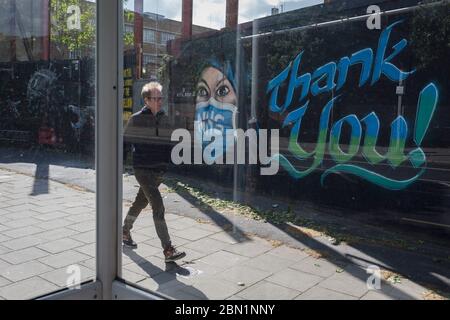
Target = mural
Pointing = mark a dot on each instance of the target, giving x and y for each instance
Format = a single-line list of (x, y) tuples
[(364, 131), (216, 101), (362, 115)]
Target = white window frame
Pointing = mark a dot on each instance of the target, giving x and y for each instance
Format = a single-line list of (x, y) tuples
[(153, 59), (128, 28), (168, 36), (154, 38), (108, 153)]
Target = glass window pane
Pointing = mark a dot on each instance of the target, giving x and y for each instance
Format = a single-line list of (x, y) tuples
[(47, 174), (149, 36), (289, 135)]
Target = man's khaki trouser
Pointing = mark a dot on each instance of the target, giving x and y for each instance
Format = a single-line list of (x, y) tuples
[(149, 181)]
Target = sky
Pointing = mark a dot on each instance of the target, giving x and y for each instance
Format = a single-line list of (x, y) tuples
[(211, 13)]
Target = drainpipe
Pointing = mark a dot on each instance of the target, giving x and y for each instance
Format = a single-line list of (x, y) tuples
[(255, 74), (12, 31), (45, 45), (138, 35), (187, 9), (232, 14)]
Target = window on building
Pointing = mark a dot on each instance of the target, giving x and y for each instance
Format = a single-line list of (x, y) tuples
[(149, 36), (74, 54), (165, 37), (150, 58), (129, 29)]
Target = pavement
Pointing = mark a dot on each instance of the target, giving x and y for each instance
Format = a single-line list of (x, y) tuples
[(47, 225)]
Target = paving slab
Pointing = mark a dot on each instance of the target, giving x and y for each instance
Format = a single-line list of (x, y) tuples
[(243, 275), (22, 243), (59, 233), (192, 233), (62, 276), (4, 250), (224, 259), (85, 237), (286, 252), (250, 248), (54, 224), (88, 249), (207, 245), (4, 282), (318, 293), (27, 289), (345, 283), (268, 262), (375, 295), (24, 271), (24, 255), (22, 232), (60, 245), (22, 222), (320, 267), (294, 279), (212, 288), (40, 236), (83, 226), (64, 259), (265, 290)]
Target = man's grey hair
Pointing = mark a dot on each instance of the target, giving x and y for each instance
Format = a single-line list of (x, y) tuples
[(147, 89)]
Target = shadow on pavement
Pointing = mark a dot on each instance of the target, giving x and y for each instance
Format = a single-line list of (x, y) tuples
[(167, 281), (217, 218), (428, 266), (36, 161)]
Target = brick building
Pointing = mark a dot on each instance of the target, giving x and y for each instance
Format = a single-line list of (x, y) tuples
[(157, 32)]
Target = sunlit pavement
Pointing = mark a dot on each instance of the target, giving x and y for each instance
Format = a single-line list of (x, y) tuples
[(47, 226)]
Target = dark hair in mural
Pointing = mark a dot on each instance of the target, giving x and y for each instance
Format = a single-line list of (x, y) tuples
[(223, 64), (216, 50)]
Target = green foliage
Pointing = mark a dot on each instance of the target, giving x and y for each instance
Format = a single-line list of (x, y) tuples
[(81, 40), (128, 38), (163, 71), (128, 16)]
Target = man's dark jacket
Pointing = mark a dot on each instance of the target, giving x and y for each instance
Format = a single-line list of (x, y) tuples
[(149, 136)]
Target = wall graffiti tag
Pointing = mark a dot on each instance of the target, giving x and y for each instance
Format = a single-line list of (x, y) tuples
[(332, 76)]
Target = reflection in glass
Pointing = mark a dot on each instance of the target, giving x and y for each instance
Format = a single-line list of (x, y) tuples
[(47, 175), (349, 127)]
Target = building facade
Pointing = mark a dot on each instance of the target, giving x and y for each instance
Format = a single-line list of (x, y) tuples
[(157, 33)]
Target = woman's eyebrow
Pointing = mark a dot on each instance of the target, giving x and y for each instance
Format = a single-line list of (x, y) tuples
[(205, 83), (221, 80)]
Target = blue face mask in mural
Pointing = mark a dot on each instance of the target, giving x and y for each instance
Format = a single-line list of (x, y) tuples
[(213, 118)]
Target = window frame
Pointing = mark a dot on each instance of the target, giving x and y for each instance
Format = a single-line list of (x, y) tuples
[(153, 38), (108, 158)]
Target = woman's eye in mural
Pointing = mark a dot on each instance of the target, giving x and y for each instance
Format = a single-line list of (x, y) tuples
[(202, 92), (222, 91)]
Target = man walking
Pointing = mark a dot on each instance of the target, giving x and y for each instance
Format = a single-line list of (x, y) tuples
[(151, 156)]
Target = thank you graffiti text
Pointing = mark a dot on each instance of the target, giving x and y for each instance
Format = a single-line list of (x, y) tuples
[(332, 77)]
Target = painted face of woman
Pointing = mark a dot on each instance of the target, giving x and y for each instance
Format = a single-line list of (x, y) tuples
[(216, 109)]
